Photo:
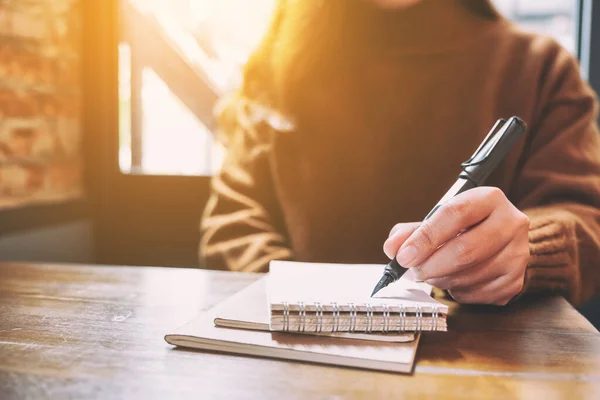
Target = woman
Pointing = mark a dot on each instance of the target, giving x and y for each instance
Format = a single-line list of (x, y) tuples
[(355, 115)]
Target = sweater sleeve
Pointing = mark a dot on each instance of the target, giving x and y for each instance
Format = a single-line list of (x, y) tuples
[(559, 187), (242, 226)]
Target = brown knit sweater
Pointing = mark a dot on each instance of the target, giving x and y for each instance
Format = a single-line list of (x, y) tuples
[(332, 194)]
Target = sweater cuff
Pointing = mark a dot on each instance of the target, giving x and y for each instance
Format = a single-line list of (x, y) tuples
[(552, 266)]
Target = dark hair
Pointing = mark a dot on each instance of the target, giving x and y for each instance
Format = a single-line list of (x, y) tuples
[(308, 44)]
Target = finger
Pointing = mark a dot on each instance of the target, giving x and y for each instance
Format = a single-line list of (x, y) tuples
[(403, 226), (473, 247), (472, 276), (457, 214), (498, 291), (514, 256), (501, 263), (398, 234)]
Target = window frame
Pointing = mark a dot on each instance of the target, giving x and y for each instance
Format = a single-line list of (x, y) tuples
[(196, 91), (588, 41)]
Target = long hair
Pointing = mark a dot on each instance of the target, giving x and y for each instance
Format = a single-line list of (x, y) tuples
[(308, 46)]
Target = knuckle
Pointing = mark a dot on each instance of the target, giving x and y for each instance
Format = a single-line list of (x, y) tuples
[(519, 286), (465, 254), (427, 236), (501, 302), (493, 194), (456, 210), (523, 220)]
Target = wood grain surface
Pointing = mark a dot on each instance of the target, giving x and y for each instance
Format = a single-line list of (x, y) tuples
[(79, 331)]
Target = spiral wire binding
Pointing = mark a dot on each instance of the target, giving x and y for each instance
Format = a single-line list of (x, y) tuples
[(319, 317), (402, 324), (353, 316), (286, 316), (369, 327), (302, 317), (402, 318), (336, 316), (385, 322)]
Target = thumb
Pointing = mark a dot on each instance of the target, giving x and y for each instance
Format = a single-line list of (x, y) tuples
[(398, 235)]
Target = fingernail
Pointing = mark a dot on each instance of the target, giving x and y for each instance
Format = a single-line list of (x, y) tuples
[(389, 254), (406, 255)]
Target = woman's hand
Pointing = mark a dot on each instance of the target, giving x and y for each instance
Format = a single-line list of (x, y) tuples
[(475, 245)]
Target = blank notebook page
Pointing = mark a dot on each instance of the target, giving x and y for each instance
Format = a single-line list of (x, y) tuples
[(343, 284)]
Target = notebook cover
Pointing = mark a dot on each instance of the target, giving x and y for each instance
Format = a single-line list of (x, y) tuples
[(201, 333)]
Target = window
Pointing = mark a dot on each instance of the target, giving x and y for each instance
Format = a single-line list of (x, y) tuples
[(175, 59), (556, 18), (178, 56)]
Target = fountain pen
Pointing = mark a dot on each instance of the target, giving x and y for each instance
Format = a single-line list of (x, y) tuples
[(496, 145)]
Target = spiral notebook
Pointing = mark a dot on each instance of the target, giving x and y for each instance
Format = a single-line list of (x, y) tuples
[(242, 323), (313, 297), (249, 309)]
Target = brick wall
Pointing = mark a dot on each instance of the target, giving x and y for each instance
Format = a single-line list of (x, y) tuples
[(40, 100)]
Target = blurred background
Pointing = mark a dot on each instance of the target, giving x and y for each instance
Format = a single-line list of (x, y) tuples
[(106, 117), (211, 38)]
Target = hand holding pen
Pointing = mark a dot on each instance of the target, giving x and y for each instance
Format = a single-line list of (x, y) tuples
[(474, 242), (485, 264)]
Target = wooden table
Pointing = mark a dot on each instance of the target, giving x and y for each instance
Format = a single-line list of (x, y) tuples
[(71, 331)]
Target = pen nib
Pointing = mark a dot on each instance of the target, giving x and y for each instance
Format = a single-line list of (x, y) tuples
[(383, 282)]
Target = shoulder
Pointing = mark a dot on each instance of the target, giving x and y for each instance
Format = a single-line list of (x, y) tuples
[(550, 72), (541, 56), (532, 42)]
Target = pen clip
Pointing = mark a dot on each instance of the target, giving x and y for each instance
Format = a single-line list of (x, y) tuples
[(491, 135)]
